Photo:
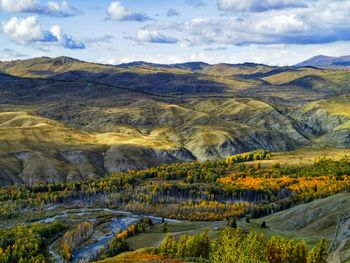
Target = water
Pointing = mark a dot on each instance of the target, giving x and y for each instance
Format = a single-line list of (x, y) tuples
[(117, 224), (89, 252)]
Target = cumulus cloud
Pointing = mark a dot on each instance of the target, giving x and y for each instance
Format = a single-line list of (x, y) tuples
[(150, 36), (62, 9), (28, 31), (172, 12), (23, 31), (195, 3), (116, 11), (228, 31), (258, 5), (65, 40), (321, 21), (280, 24), (16, 6)]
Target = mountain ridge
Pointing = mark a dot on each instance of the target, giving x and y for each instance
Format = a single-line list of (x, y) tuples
[(323, 61)]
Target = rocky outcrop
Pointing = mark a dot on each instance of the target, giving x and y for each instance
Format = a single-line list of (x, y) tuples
[(338, 138), (10, 168), (272, 141), (33, 167), (40, 167), (128, 157), (89, 163), (318, 121)]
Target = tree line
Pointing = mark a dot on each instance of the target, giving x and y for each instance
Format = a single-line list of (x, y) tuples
[(235, 245), (210, 190)]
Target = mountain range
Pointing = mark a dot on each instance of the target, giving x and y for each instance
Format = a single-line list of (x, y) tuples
[(63, 119)]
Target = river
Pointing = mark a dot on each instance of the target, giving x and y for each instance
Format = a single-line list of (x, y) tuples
[(88, 252)]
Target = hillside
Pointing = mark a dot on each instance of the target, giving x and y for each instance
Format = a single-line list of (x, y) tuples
[(86, 119), (342, 62), (318, 219)]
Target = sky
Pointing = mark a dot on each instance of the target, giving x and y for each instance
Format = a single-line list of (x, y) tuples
[(273, 32)]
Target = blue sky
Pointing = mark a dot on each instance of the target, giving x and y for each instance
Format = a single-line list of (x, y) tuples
[(276, 32)]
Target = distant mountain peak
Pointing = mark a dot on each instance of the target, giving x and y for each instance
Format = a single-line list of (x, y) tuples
[(322, 61)]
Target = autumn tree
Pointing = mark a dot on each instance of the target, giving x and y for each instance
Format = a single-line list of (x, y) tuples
[(318, 254), (182, 247), (252, 249), (276, 250), (116, 246), (198, 245), (227, 247), (168, 246)]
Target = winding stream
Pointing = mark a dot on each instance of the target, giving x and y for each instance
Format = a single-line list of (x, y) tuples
[(88, 252)]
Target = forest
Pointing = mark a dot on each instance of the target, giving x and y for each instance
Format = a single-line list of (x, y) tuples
[(214, 190), (211, 190), (28, 243)]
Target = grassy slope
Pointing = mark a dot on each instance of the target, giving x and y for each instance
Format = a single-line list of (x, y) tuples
[(318, 217), (141, 242), (21, 131), (334, 115), (304, 156), (331, 82), (339, 106), (138, 256), (311, 221), (156, 234)]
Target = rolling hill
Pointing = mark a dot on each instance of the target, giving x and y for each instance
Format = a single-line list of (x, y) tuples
[(84, 120)]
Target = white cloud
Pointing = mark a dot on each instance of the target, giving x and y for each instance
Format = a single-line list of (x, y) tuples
[(321, 21), (152, 36), (116, 11), (258, 5), (329, 13), (280, 24), (23, 31), (65, 40), (17, 5), (62, 9), (28, 31)]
